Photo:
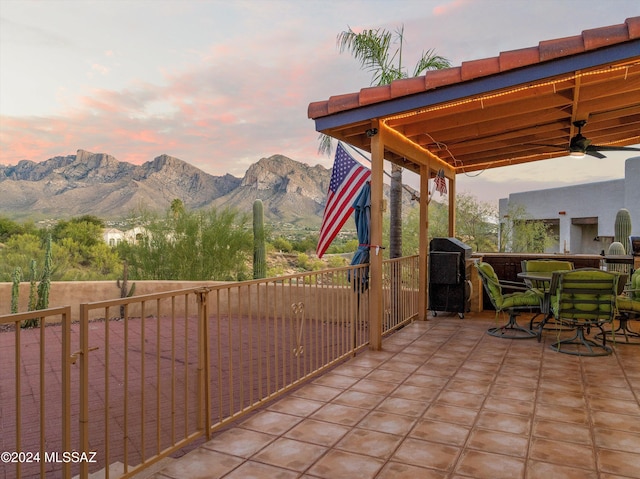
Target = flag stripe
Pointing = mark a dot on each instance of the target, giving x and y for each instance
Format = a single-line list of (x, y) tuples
[(347, 178)]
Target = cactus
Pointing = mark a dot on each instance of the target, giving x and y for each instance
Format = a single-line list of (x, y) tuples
[(15, 289), (45, 282), (616, 248), (32, 287), (39, 297), (125, 291), (623, 228), (259, 246)]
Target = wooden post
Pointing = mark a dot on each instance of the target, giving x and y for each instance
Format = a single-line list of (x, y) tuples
[(452, 207), (423, 282), (375, 261)]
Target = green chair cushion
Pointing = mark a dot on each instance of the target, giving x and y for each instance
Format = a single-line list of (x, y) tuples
[(627, 305), (527, 298), (577, 300), (548, 266), (492, 283)]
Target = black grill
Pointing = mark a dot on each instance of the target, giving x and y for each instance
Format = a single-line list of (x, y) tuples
[(449, 275)]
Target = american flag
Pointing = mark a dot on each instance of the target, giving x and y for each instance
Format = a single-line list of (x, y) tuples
[(347, 177), (441, 183)]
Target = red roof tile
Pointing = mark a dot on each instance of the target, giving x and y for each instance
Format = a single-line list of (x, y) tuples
[(545, 51)]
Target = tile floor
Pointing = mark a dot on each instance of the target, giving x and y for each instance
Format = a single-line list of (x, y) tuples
[(443, 400)]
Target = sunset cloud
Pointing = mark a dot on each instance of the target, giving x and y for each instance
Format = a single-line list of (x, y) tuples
[(222, 84)]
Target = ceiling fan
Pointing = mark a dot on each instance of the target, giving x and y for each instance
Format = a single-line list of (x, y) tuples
[(580, 145)]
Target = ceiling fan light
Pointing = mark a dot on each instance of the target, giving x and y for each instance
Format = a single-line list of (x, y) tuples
[(577, 154)]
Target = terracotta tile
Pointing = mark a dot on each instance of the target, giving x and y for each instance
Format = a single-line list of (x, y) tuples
[(335, 380), (561, 398), (371, 443), (402, 363), (397, 470), (564, 453), (239, 442), (271, 422), (290, 454), (317, 432), (414, 392), (472, 387), (464, 374), (617, 440), (498, 442), (617, 421), (617, 462), (562, 413), (546, 470), (455, 398), (359, 399), (456, 415), (578, 433), (256, 470), (390, 423), (374, 387), (345, 465), (512, 406), (491, 466), (426, 381), (614, 405), (512, 392), (353, 370), (623, 393), (404, 407), (296, 406), (316, 392), (388, 376), (340, 414), (202, 464), (504, 422), (427, 454), (442, 432)]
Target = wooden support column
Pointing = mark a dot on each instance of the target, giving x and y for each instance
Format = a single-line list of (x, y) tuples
[(423, 290), (452, 207), (375, 261)]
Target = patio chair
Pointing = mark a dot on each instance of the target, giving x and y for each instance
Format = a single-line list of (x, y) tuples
[(543, 266), (523, 299), (584, 299), (628, 305)]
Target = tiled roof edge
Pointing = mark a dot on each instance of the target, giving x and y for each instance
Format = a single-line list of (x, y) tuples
[(546, 50)]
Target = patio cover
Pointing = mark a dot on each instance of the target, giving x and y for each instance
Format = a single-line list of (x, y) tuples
[(515, 108)]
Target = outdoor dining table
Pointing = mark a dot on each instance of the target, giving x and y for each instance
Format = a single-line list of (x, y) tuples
[(543, 279)]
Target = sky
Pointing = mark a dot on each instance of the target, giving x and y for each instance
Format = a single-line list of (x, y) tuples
[(221, 84)]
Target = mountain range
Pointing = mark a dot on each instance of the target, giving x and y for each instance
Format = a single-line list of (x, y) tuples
[(98, 184)]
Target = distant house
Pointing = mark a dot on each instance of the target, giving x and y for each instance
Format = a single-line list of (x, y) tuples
[(582, 216), (113, 236), (135, 234)]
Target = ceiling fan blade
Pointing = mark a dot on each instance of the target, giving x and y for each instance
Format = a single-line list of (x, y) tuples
[(595, 153), (612, 148)]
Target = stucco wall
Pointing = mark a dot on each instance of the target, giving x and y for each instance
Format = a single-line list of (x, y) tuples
[(599, 199)]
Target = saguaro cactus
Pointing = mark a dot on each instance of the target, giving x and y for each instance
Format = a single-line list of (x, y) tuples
[(15, 289), (123, 285), (33, 298), (259, 244), (45, 283), (623, 228)]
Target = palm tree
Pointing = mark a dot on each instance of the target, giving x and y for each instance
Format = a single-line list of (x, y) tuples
[(373, 48)]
